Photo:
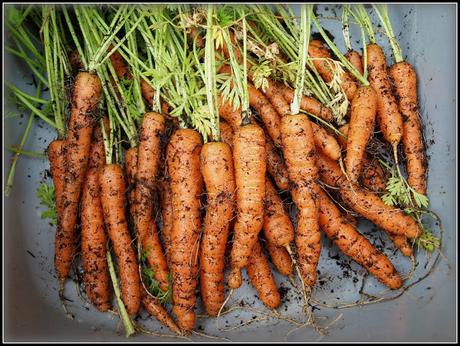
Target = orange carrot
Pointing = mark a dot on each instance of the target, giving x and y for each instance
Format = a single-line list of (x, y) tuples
[(93, 243), (353, 244), (56, 156), (226, 132), (404, 80), (355, 59), (320, 58), (300, 155), (186, 187), (218, 175), (249, 161), (277, 228), (262, 279), (154, 308), (148, 93), (363, 110), (275, 165), (86, 94), (113, 190), (148, 159), (326, 142), (226, 112), (166, 217), (97, 153), (388, 115), (280, 258), (366, 203), (131, 169), (308, 104)]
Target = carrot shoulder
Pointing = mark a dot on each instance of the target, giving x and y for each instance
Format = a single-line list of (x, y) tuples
[(183, 158)]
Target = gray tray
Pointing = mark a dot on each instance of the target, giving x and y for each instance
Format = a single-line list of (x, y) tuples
[(426, 312)]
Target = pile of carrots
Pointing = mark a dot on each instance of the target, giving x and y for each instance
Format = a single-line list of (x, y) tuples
[(185, 204)]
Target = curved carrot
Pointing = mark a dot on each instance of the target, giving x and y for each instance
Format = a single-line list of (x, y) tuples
[(308, 104), (388, 115), (113, 191), (93, 243), (300, 155), (355, 59), (249, 161), (277, 99), (148, 160), (186, 187), (366, 203), (218, 175), (363, 111), (86, 94), (405, 82), (355, 245), (226, 112), (277, 228), (262, 279), (320, 55)]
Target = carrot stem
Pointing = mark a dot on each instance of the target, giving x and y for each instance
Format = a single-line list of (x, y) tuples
[(382, 13)]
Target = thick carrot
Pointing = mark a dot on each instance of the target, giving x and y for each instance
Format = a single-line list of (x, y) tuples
[(388, 115), (86, 94), (366, 203), (308, 104), (355, 59), (113, 190), (404, 80), (56, 156), (363, 111), (372, 175), (275, 165), (280, 258), (326, 142), (250, 168), (267, 113), (277, 228), (226, 133), (226, 112), (262, 279), (355, 245), (183, 157), (154, 308), (320, 56), (300, 155), (93, 243), (148, 160), (218, 175)]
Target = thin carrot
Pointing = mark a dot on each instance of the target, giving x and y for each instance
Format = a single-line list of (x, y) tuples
[(86, 94), (326, 142), (97, 153), (249, 161), (355, 59), (183, 160), (277, 228), (388, 115), (154, 308), (148, 93), (131, 169), (262, 279), (166, 217), (404, 80), (113, 191), (218, 175), (366, 203), (226, 133), (148, 160), (226, 112), (320, 58), (56, 156), (353, 244), (93, 243), (363, 111)]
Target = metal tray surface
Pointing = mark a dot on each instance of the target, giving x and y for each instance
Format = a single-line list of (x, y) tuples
[(426, 312)]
